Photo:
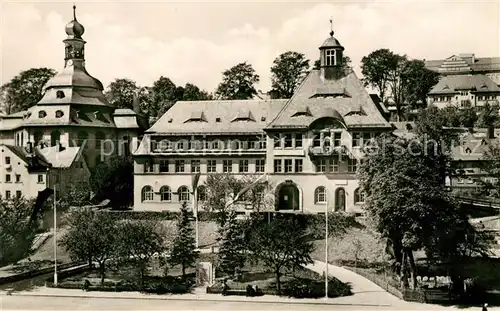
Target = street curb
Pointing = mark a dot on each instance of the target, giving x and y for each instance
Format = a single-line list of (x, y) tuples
[(197, 299)]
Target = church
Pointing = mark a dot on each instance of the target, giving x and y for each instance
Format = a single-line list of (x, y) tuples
[(308, 147), (73, 124)]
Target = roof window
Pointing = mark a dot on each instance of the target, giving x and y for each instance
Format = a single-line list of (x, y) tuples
[(60, 94), (59, 114), (42, 114)]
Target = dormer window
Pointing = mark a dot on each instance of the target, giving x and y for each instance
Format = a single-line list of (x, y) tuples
[(170, 120), (60, 94), (263, 119), (42, 114), (217, 119), (59, 114), (330, 58), (244, 115), (304, 111), (196, 116)]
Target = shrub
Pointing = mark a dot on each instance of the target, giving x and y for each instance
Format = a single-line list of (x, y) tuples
[(85, 285), (168, 285), (307, 288)]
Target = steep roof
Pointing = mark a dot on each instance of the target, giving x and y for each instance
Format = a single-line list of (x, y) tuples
[(454, 83), (473, 146), (218, 116), (60, 159), (346, 96), (21, 153)]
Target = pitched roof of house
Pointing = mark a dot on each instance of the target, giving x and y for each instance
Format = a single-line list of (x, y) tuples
[(60, 158), (22, 154), (473, 146), (346, 96), (218, 117), (454, 83)]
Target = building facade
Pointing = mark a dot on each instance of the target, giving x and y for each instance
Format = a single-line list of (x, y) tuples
[(466, 81), (309, 146), (73, 114)]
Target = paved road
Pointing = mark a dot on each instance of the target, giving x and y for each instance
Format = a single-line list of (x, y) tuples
[(71, 303)]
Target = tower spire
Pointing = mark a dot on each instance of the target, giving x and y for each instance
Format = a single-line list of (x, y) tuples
[(74, 11), (331, 26)]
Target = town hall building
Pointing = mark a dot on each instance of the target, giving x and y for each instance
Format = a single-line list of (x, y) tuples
[(309, 146)]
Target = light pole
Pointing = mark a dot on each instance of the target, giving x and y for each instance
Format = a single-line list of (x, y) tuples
[(326, 248), (55, 237)]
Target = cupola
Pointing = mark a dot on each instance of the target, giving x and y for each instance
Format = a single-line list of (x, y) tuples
[(331, 55)]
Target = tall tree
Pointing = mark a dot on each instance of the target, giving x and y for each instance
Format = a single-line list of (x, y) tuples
[(137, 244), (121, 92), (417, 83), (91, 237), (231, 256), (288, 71), (183, 251), (238, 82), (280, 244), (376, 69), (17, 229), (192, 92), (25, 89), (163, 95), (397, 84)]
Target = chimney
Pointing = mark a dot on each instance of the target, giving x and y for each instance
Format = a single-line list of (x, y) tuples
[(59, 147), (29, 147), (135, 104), (491, 131), (273, 94)]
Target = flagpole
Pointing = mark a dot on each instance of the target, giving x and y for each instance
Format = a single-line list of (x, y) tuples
[(55, 237), (326, 248)]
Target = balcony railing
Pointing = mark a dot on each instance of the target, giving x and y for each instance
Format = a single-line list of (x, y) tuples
[(206, 151), (328, 151)]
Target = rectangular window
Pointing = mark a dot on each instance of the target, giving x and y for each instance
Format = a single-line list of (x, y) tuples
[(317, 140), (148, 166), (366, 138), (18, 178), (215, 144), (298, 140), (288, 141), (40, 178), (260, 166), (277, 142), (195, 166), (227, 166), (7, 178), (337, 139), (356, 139), (288, 166), (298, 165), (243, 166), (330, 58), (7, 194), (352, 165), (211, 166), (321, 165), (19, 194), (179, 166), (7, 160), (333, 165), (277, 166), (164, 166)]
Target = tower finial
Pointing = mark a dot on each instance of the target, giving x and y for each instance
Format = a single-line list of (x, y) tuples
[(74, 11), (331, 26)]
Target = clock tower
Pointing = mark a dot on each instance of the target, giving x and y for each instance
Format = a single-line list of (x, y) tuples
[(74, 44)]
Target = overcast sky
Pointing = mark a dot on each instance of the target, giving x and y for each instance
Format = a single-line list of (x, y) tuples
[(195, 41)]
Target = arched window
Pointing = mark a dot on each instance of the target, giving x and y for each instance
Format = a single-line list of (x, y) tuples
[(55, 138), (202, 193), (60, 94), (42, 114), (183, 193), (340, 199), (59, 114), (320, 195), (166, 193), (147, 194), (359, 196)]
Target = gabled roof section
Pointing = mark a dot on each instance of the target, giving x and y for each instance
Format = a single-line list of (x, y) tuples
[(477, 64), (32, 160), (453, 83), (219, 116), (312, 84), (60, 158)]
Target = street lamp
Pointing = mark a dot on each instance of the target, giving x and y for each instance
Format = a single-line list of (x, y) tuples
[(55, 237), (326, 247)]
